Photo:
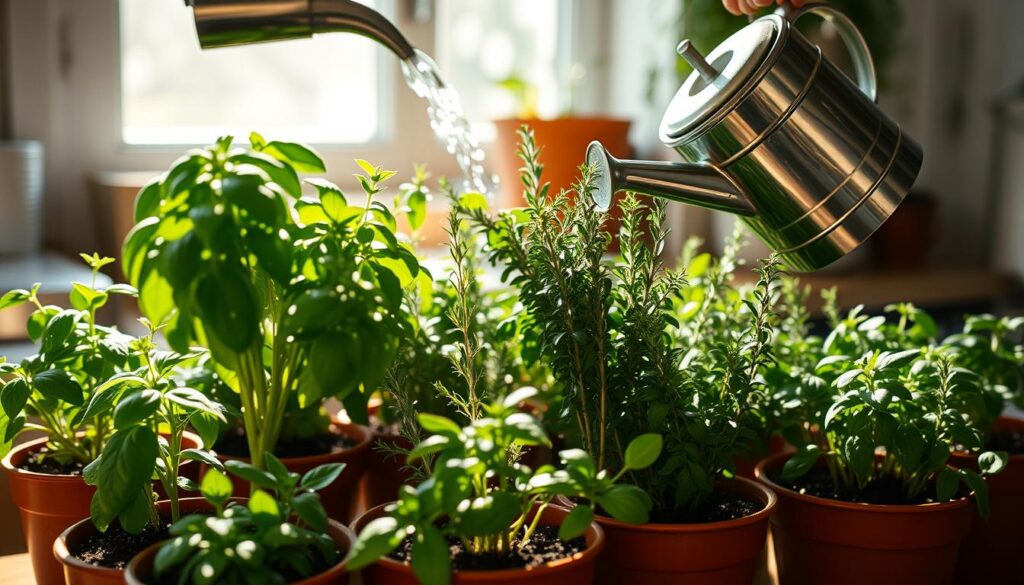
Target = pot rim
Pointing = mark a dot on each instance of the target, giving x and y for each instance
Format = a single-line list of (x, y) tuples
[(36, 444), (769, 501), (775, 461), (1002, 422), (547, 569), (64, 556), (341, 534), (347, 429)]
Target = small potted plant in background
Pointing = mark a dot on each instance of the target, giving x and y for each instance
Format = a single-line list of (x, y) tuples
[(482, 517), (76, 356), (869, 488), (281, 534), (565, 138), (149, 411), (607, 328), (296, 299)]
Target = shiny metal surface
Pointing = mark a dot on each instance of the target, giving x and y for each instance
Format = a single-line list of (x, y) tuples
[(221, 23), (819, 166)]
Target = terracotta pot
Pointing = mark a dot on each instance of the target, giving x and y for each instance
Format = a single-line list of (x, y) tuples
[(140, 569), (819, 540), (993, 552), (745, 464), (713, 553), (577, 570), (79, 572), (50, 503), (563, 144), (339, 498)]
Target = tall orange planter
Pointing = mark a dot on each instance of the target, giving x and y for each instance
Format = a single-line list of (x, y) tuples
[(50, 503), (994, 550), (577, 570), (713, 553), (819, 540), (140, 570), (339, 498), (563, 144)]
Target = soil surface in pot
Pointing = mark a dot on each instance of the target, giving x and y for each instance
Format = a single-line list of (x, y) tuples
[(721, 506), (115, 547), (234, 444), (43, 462), (1009, 441), (544, 547), (884, 491)]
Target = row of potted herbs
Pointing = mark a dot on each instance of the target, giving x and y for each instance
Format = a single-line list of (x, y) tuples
[(590, 420)]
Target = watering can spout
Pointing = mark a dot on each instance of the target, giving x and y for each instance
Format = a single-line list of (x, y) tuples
[(694, 183), (221, 23)]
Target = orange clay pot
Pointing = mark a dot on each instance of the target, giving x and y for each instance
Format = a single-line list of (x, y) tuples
[(994, 550), (576, 570), (713, 553), (563, 143), (339, 498), (140, 569), (79, 572), (51, 503), (819, 540)]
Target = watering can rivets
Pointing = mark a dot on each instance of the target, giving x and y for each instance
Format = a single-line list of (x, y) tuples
[(687, 51)]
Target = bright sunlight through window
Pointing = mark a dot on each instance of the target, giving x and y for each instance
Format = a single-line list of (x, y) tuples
[(325, 90)]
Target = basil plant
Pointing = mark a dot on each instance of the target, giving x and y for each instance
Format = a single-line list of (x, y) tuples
[(479, 495), (293, 297)]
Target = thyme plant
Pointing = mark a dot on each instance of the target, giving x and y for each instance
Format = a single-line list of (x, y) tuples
[(616, 345), (296, 299)]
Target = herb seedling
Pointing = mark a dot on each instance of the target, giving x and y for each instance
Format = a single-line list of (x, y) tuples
[(491, 504), (281, 531)]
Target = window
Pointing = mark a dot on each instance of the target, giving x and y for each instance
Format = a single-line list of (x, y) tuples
[(481, 44), (327, 91)]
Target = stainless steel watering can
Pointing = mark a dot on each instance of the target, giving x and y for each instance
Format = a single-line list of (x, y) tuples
[(775, 133)]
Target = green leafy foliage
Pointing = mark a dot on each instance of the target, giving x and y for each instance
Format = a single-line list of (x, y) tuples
[(880, 399), (634, 348), (143, 400), (297, 299), (479, 494), (59, 390), (281, 531)]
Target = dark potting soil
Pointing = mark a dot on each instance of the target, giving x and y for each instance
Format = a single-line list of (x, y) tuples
[(544, 547), (115, 547), (234, 444), (42, 462), (884, 491), (721, 506), (1010, 441)]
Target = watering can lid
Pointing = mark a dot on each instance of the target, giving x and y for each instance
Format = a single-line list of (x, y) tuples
[(718, 78)]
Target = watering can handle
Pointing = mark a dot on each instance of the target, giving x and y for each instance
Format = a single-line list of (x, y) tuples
[(863, 64)]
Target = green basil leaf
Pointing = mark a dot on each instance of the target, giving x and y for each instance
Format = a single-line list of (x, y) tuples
[(377, 539), (216, 487), (488, 515), (301, 157), (262, 503), (136, 407), (228, 309), (946, 485), (251, 474), (576, 522), (643, 451), (13, 397), (123, 471), (321, 476), (801, 462), (13, 298), (433, 423), (59, 385), (309, 508), (431, 559), (282, 174), (626, 503), (992, 462)]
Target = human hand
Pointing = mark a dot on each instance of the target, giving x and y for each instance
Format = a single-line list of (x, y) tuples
[(750, 7)]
